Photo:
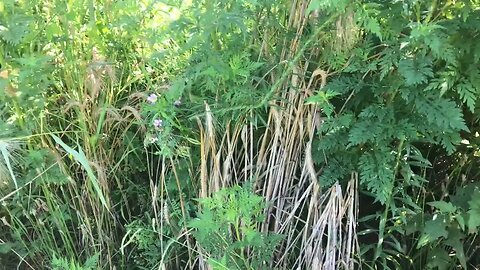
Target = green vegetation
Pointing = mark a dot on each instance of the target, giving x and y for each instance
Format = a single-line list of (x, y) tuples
[(249, 134)]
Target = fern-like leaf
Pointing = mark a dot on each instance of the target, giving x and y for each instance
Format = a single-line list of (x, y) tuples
[(468, 93), (415, 71), (376, 172)]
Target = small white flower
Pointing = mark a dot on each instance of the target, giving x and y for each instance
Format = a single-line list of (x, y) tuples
[(158, 123), (152, 98)]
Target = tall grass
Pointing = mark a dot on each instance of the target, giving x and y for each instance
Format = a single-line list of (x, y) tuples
[(93, 192), (279, 162), (86, 131)]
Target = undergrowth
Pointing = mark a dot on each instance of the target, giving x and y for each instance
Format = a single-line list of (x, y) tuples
[(239, 134)]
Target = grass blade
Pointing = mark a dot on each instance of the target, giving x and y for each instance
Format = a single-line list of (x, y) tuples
[(6, 156), (80, 157)]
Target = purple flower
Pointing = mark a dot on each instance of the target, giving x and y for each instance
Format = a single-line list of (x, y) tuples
[(152, 98), (157, 123)]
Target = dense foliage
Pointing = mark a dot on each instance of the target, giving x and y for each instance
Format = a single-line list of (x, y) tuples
[(409, 85), (231, 134)]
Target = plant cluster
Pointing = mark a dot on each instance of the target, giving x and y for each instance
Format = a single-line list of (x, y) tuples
[(406, 87), (224, 134)]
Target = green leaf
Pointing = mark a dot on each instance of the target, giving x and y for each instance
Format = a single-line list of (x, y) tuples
[(176, 90), (414, 224), (322, 99), (362, 132), (371, 25), (438, 259), (16, 29), (442, 112), (314, 5), (91, 262), (474, 212), (433, 230), (461, 221), (444, 207), (52, 30), (415, 71), (463, 195), (376, 172), (219, 265), (468, 93), (368, 18), (455, 240), (434, 37)]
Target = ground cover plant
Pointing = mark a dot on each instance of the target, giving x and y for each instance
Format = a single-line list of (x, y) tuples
[(253, 134)]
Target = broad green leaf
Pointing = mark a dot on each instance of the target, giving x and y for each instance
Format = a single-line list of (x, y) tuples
[(473, 220), (438, 259), (52, 30), (433, 230), (455, 240), (414, 224), (444, 207), (474, 212)]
